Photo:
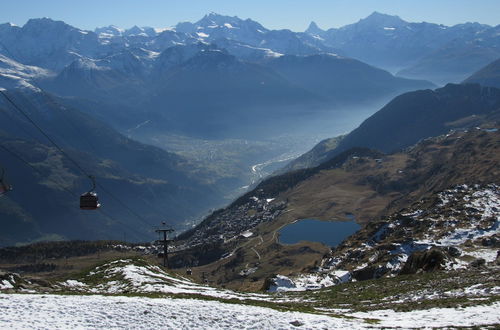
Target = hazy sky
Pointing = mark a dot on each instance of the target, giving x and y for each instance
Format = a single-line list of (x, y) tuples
[(274, 14)]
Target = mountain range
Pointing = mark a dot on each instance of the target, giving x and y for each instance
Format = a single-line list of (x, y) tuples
[(221, 80), (434, 52), (427, 51)]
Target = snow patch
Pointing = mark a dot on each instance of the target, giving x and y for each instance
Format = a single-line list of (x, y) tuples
[(307, 282), (6, 285), (115, 312), (123, 276)]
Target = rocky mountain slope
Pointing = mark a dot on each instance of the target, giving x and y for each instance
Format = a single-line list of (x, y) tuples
[(340, 79), (414, 116), (454, 229), (487, 76)]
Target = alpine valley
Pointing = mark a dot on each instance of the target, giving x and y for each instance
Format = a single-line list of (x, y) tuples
[(339, 178)]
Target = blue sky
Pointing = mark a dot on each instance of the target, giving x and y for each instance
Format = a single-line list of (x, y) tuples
[(275, 14)]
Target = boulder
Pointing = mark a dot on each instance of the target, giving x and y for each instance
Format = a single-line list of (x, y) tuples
[(424, 261), (480, 262), (453, 251)]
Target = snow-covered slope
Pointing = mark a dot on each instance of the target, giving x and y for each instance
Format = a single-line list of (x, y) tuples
[(135, 294), (47, 43), (60, 312), (53, 311), (16, 75), (136, 276)]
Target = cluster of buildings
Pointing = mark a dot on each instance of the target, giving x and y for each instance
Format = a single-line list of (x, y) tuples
[(234, 222)]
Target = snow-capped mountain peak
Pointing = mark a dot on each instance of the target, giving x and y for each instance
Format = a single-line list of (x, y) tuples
[(142, 31), (46, 25), (313, 29), (377, 20), (109, 31)]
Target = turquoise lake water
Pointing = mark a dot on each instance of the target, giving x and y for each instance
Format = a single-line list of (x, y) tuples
[(330, 233)]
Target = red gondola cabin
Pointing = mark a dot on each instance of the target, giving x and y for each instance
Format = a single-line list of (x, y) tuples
[(89, 201)]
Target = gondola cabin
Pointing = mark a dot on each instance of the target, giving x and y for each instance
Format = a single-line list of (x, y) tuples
[(4, 188), (89, 201)]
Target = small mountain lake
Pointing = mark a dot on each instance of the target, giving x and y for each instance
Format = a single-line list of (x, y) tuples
[(330, 233)]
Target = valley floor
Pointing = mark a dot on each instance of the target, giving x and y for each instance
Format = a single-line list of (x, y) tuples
[(50, 311)]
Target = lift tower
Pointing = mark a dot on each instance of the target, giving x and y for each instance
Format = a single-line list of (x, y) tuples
[(165, 241)]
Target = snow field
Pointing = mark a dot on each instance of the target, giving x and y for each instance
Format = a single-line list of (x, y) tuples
[(22, 311), (436, 317)]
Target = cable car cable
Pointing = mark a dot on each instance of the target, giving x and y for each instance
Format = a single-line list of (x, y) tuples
[(71, 159), (63, 152), (122, 204), (36, 169), (22, 128), (59, 148), (43, 133), (18, 157)]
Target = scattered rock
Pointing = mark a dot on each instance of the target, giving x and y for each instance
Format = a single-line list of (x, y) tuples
[(296, 323), (454, 251), (424, 261), (480, 262), (490, 241), (363, 274)]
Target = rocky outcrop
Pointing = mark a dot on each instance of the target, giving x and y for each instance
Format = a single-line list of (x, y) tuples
[(424, 261)]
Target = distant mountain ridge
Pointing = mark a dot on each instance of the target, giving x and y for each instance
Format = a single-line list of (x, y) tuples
[(417, 50), (416, 115), (487, 76), (338, 78), (229, 91)]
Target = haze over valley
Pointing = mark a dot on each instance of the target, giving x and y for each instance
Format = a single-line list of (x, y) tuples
[(342, 177)]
